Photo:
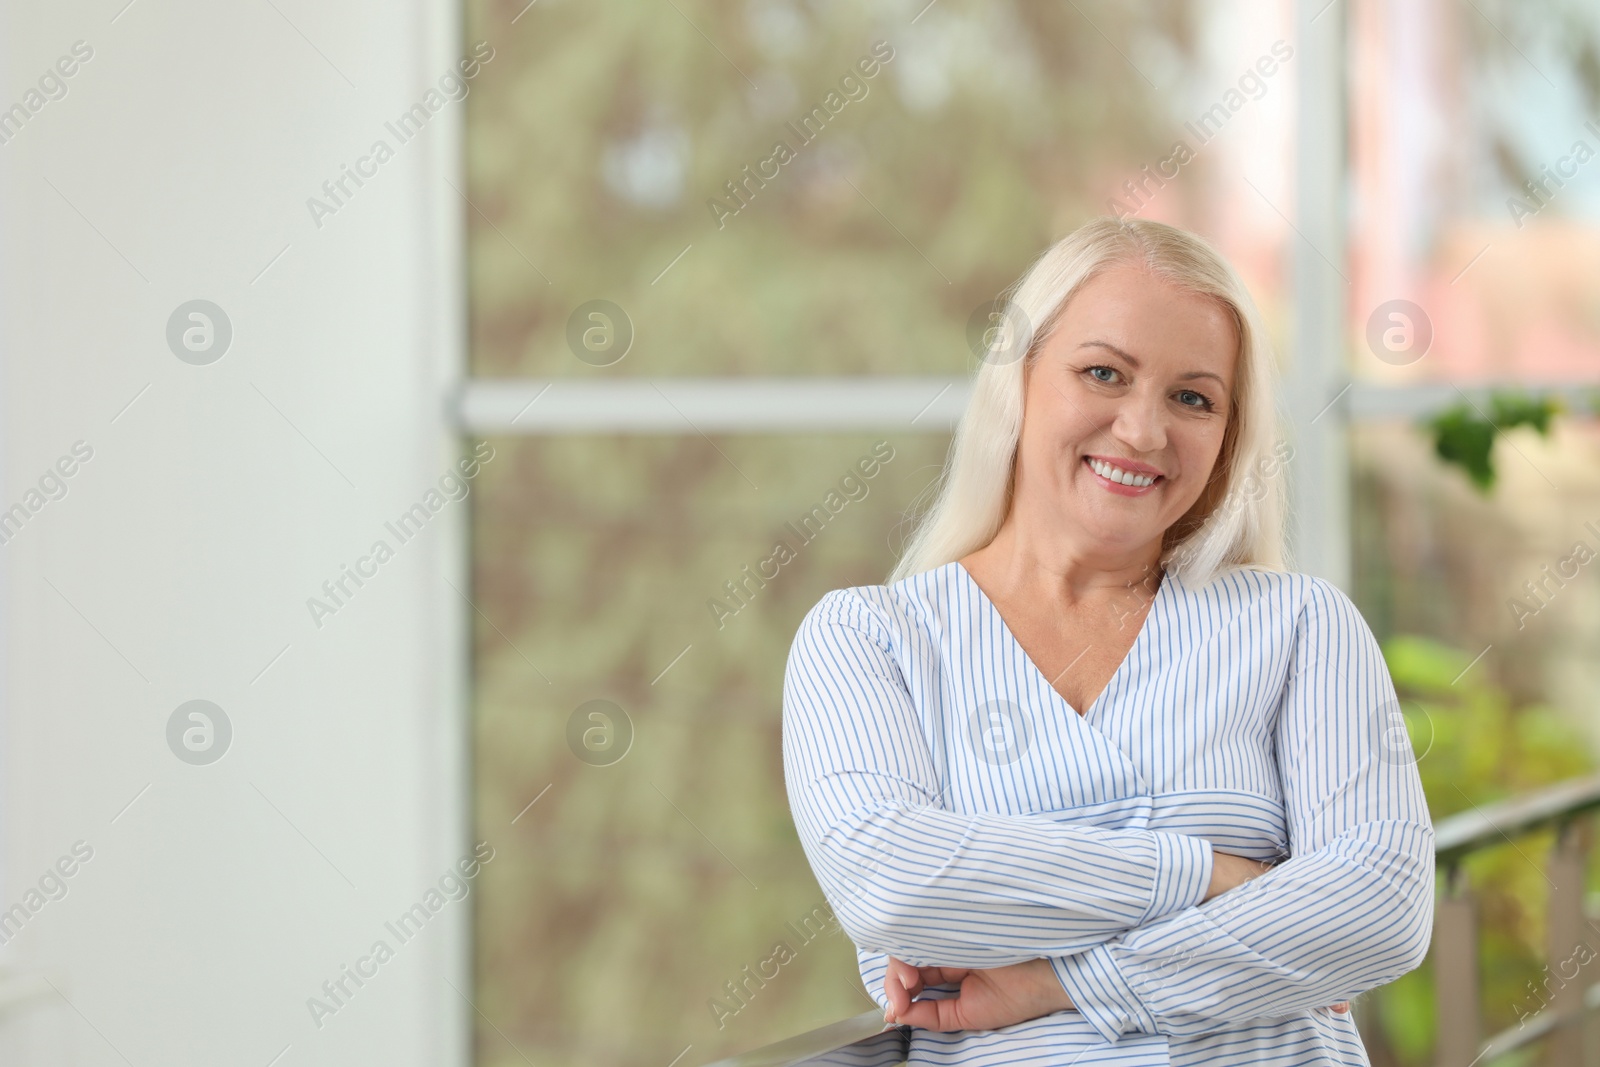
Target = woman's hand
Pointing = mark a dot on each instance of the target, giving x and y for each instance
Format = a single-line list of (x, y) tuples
[(988, 1000)]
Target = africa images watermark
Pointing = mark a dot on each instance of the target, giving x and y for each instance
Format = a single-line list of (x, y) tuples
[(1539, 189), (741, 590), (405, 127), (52, 486), (1251, 488), (52, 886), (412, 521), (739, 992), (1566, 569), (453, 885), (1576, 960), (52, 86), (851, 88), (1204, 127)]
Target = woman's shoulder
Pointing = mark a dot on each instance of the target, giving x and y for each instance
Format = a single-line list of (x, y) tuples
[(1296, 595), (1256, 584), (888, 611)]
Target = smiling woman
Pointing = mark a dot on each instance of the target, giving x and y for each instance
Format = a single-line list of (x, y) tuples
[(1197, 845), (1163, 291)]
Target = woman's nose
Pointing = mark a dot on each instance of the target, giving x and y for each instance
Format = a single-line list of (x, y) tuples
[(1141, 424)]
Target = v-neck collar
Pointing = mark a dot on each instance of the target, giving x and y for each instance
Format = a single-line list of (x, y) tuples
[(1167, 578)]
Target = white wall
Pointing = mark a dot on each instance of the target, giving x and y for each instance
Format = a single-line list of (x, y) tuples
[(218, 499)]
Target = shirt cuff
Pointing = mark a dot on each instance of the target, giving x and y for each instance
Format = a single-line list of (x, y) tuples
[(1183, 874), (1100, 992)]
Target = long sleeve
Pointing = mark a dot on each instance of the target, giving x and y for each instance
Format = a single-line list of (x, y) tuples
[(908, 877), (1352, 907)]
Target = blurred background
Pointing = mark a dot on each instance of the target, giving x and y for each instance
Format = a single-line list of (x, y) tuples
[(576, 310)]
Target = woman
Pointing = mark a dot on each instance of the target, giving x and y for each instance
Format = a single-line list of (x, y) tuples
[(1093, 778)]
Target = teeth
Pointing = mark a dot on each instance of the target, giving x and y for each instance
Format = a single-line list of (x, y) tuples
[(1120, 476)]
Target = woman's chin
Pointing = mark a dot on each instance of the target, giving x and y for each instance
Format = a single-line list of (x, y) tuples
[(1121, 522), (1119, 517)]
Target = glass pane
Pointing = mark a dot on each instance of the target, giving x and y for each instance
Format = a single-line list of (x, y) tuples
[(637, 887), (1476, 191), (763, 188), (1502, 573), (1474, 259)]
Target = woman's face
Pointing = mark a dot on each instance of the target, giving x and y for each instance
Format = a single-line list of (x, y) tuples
[(1134, 385)]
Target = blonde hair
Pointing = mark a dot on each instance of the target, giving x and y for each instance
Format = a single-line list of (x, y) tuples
[(1237, 520)]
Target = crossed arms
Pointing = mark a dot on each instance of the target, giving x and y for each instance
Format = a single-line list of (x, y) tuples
[(1121, 915)]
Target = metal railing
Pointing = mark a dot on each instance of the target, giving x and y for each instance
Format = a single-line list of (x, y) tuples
[(1568, 809), (865, 1041)]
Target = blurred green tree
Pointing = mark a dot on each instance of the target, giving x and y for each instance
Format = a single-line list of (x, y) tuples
[(1475, 747)]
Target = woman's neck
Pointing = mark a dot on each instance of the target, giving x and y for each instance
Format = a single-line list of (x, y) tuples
[(1015, 563)]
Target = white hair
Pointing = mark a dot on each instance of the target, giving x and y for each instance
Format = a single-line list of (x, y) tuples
[(1239, 516)]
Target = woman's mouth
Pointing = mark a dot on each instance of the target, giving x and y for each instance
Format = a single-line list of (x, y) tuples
[(1118, 480)]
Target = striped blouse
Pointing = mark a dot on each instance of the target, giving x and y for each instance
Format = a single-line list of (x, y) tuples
[(957, 811)]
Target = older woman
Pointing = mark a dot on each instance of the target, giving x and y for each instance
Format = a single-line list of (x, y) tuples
[(1093, 778)]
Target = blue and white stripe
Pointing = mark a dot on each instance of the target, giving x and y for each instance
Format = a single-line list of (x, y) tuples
[(957, 811)]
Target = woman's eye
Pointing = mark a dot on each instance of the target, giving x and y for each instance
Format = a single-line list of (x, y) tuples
[(1189, 398), (1103, 374)]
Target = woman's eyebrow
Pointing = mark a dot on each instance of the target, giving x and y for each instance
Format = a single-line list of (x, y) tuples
[(1134, 362)]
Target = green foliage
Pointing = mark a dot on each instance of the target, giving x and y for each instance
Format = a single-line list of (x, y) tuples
[(1464, 434), (1474, 748), (1515, 409)]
